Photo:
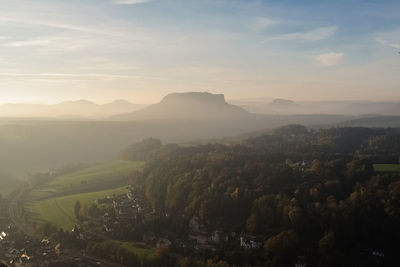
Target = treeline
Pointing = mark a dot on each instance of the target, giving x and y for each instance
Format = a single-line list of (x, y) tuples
[(310, 195)]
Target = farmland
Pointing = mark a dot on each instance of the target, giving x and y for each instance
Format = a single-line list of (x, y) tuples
[(53, 202), (96, 178), (59, 211)]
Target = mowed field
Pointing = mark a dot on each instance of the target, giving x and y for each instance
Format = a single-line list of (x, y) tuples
[(59, 211), (54, 202), (95, 178), (387, 168)]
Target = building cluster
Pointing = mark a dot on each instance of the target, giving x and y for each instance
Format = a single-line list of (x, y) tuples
[(18, 249), (202, 239), (126, 209)]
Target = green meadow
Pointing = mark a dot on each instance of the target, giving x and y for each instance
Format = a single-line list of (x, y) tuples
[(95, 178), (59, 211), (54, 201)]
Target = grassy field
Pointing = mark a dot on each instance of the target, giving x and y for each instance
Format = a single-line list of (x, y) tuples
[(60, 211), (7, 185), (95, 178), (54, 201), (387, 167)]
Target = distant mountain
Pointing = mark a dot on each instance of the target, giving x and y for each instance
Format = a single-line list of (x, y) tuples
[(378, 121), (393, 109), (81, 108), (188, 106), (285, 106), (119, 105), (358, 108), (283, 103), (68, 109), (382, 108)]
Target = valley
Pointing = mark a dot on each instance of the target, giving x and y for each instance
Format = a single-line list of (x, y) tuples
[(189, 188), (212, 198)]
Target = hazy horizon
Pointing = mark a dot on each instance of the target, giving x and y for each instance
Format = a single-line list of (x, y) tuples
[(267, 99), (229, 100), (199, 133), (140, 51)]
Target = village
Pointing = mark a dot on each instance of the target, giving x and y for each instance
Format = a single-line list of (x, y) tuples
[(119, 214), (18, 249), (132, 209)]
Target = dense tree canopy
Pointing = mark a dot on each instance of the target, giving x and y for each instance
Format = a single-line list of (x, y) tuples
[(301, 192)]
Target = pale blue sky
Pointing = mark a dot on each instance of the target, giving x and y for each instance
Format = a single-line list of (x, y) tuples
[(53, 50)]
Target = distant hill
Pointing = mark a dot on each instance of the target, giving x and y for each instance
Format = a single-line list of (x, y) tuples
[(188, 106), (39, 144), (357, 108), (285, 106), (68, 109), (377, 121), (282, 103), (279, 106), (382, 108), (393, 109), (30, 144)]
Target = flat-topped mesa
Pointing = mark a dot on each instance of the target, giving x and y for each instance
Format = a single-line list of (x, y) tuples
[(194, 97), (188, 106)]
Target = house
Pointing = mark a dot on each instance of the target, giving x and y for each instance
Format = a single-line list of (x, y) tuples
[(57, 249), (163, 242), (25, 257), (45, 241), (200, 241), (249, 242), (197, 233), (130, 195), (379, 254), (216, 237), (107, 228)]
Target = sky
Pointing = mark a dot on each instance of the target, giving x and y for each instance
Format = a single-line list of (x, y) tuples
[(141, 50)]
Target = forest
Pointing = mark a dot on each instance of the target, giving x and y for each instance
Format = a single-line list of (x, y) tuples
[(308, 196)]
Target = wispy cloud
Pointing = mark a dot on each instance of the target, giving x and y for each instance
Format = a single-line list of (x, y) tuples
[(260, 23), (317, 34), (67, 76), (329, 59), (388, 43), (131, 2), (58, 25), (33, 42), (57, 44), (74, 36)]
